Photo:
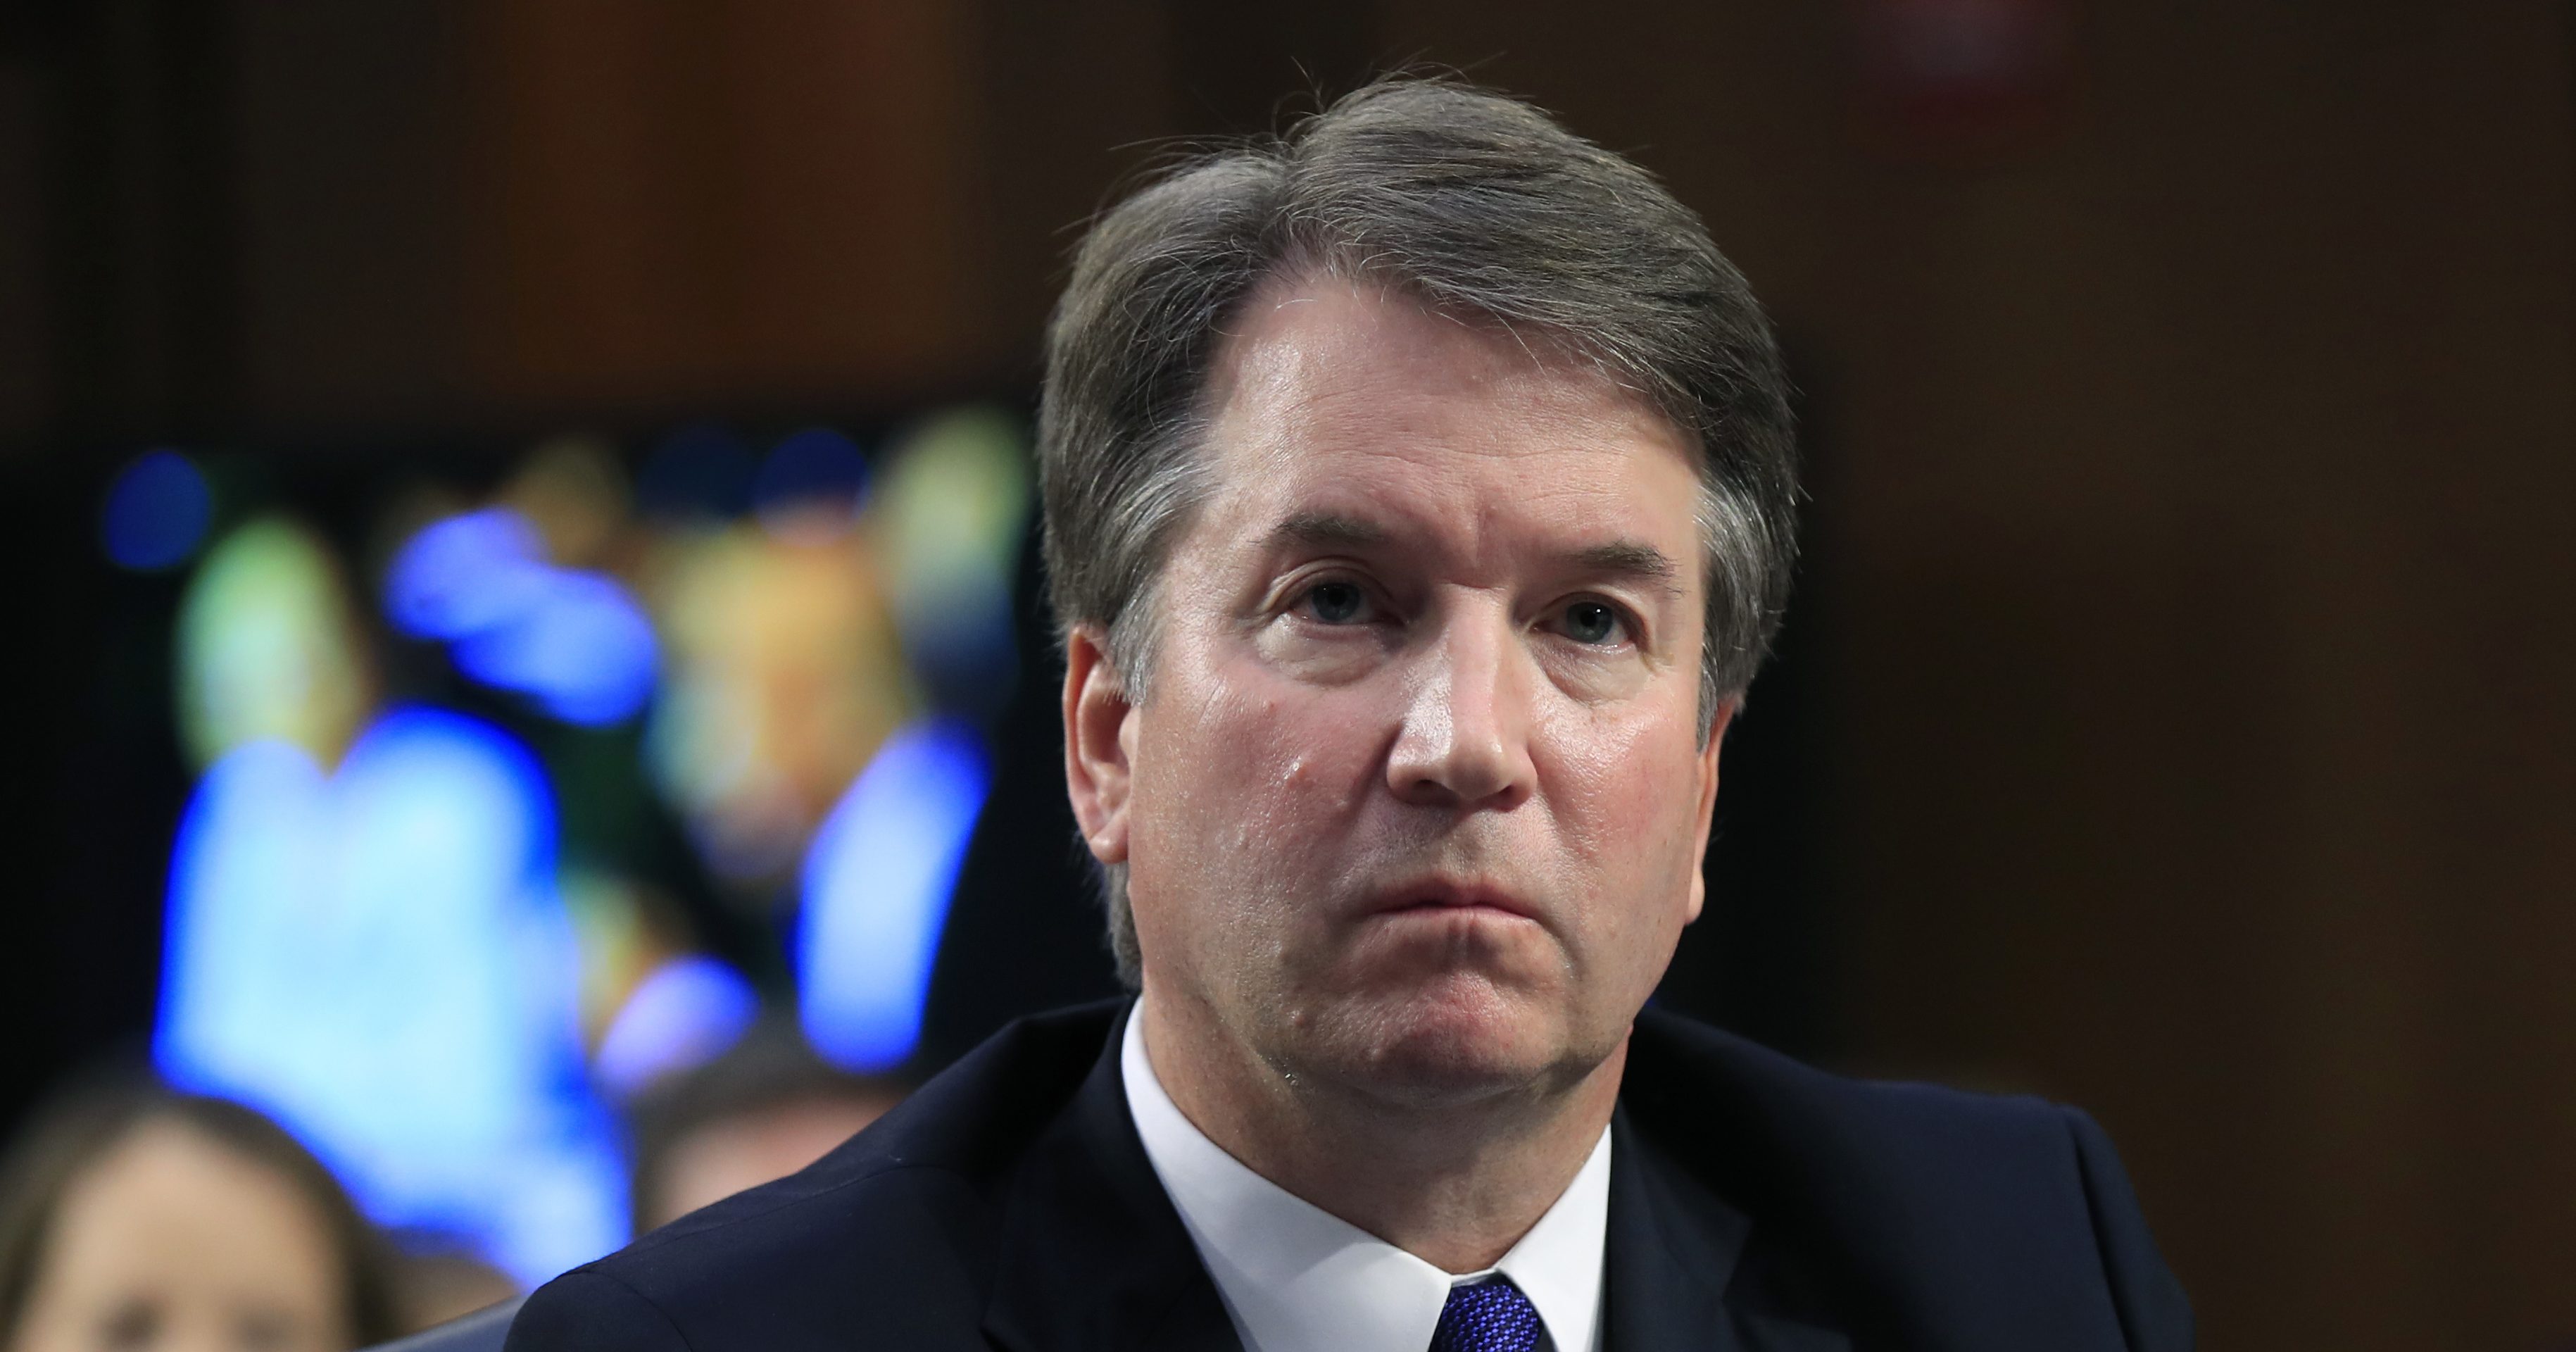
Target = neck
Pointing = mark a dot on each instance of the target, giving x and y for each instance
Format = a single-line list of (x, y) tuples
[(1454, 1183)]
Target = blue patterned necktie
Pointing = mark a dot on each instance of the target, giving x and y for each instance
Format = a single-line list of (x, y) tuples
[(1490, 1316)]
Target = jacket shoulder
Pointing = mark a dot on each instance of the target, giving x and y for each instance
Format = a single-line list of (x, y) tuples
[(1947, 1205), (893, 1231), (1879, 1132)]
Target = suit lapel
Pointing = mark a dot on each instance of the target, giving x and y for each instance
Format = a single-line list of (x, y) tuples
[(1672, 1252), (1093, 1255)]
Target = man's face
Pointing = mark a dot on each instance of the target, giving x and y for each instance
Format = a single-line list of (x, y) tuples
[(1416, 802)]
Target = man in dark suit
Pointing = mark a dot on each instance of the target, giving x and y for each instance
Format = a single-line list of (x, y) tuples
[(1418, 498)]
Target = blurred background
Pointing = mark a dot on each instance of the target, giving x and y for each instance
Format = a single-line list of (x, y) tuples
[(526, 604)]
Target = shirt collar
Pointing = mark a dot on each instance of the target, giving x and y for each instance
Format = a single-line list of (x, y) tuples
[(1295, 1278)]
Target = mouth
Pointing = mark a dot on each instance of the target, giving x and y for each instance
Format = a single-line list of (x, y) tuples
[(1448, 898)]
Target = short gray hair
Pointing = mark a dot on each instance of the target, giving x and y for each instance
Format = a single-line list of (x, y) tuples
[(1470, 202)]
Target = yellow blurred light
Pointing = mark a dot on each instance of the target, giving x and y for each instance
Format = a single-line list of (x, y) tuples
[(953, 507), (267, 647), (783, 676), (575, 492)]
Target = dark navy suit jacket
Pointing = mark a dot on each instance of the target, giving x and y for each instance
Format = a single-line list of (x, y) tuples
[(1754, 1204)]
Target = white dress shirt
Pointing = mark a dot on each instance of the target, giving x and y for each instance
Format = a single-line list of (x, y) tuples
[(1296, 1279)]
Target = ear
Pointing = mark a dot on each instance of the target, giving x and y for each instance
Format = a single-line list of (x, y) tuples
[(1708, 801), (1096, 718)]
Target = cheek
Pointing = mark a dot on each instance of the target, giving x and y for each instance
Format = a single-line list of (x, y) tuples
[(1239, 774), (1627, 796), (1628, 814)]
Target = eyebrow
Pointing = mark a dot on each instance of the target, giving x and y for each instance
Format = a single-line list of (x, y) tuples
[(1617, 558), (1329, 528), (1630, 559)]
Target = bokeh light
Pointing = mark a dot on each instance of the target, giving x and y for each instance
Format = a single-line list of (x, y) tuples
[(955, 508), (574, 491), (811, 486), (157, 512), (876, 889), (375, 954), (377, 928), (785, 674), (267, 647), (576, 642), (465, 575), (686, 1013), (582, 648)]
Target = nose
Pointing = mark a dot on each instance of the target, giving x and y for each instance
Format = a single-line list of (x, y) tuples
[(1465, 737)]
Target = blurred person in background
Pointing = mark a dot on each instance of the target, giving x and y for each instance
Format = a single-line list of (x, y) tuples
[(761, 1111), (137, 1218), (441, 1284)]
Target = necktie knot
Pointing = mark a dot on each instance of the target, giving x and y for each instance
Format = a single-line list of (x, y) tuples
[(1490, 1316)]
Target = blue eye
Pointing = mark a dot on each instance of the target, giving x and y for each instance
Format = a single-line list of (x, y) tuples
[(1336, 602), (1591, 622)]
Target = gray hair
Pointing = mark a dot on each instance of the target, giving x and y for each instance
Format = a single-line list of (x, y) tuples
[(1469, 202)]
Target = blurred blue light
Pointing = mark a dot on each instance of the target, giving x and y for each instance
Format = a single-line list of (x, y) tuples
[(464, 574), (685, 1014), (811, 487), (576, 642), (579, 645), (877, 883), (377, 957), (157, 512), (700, 469), (815, 465)]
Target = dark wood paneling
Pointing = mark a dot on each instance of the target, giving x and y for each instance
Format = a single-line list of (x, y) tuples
[(691, 203), (2203, 529)]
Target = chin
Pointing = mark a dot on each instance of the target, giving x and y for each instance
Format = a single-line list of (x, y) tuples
[(1459, 1038)]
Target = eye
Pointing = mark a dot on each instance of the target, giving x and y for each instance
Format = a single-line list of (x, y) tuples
[(1593, 622), (1336, 603)]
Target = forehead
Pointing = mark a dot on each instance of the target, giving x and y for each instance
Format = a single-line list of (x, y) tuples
[(168, 1204), (1335, 396)]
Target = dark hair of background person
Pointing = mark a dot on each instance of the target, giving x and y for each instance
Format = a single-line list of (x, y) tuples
[(1461, 199), (770, 1068), (69, 1136)]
